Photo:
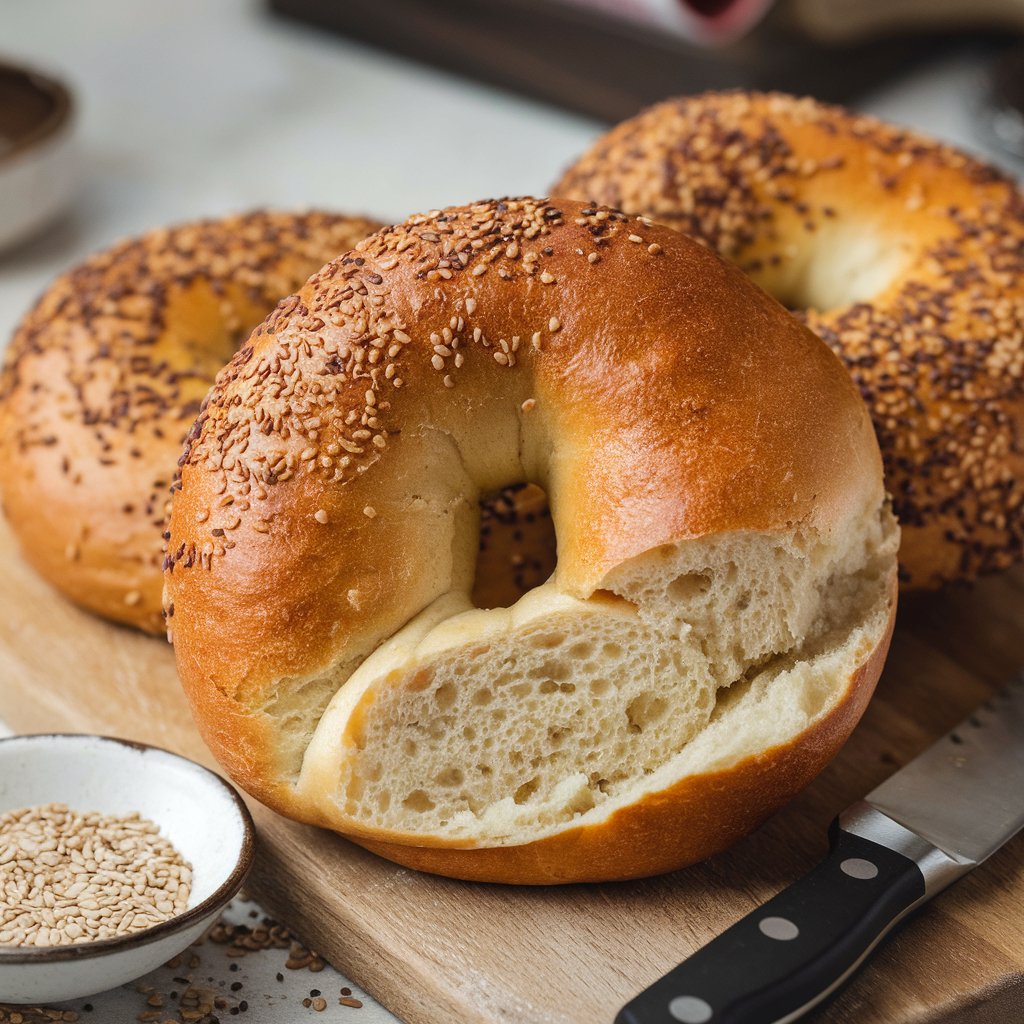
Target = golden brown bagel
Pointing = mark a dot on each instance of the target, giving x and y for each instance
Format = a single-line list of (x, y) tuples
[(105, 375), (904, 254), (726, 558)]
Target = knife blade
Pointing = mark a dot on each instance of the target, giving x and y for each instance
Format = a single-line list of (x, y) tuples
[(964, 793), (927, 825)]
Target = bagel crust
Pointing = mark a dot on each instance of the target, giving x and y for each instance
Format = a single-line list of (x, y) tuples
[(106, 374), (905, 255), (726, 557)]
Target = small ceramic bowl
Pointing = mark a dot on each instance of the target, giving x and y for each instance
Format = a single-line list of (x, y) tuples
[(202, 816), (38, 165)]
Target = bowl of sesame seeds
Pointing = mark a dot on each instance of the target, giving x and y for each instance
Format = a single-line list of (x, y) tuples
[(114, 857)]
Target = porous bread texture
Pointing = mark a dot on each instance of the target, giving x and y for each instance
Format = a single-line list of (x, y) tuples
[(502, 726)]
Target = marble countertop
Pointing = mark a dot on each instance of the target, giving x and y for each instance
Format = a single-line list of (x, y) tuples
[(196, 108)]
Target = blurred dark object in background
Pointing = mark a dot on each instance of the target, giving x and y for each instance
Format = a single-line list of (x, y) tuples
[(849, 20), (1005, 100), (578, 55)]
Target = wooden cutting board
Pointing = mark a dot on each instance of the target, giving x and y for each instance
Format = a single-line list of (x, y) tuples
[(435, 950)]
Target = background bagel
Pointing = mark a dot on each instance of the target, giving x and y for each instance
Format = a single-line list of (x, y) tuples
[(726, 558), (905, 255), (106, 374)]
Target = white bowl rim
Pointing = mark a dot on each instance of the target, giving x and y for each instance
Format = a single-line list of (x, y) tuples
[(226, 891)]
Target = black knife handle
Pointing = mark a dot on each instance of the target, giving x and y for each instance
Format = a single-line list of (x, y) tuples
[(795, 950)]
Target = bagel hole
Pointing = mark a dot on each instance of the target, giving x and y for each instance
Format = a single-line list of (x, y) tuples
[(517, 550), (862, 263)]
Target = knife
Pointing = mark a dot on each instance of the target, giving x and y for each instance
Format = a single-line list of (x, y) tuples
[(941, 815)]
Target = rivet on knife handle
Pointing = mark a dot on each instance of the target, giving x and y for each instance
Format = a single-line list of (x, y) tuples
[(792, 952)]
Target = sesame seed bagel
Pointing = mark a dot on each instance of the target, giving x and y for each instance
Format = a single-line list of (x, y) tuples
[(725, 580), (904, 254), (105, 376)]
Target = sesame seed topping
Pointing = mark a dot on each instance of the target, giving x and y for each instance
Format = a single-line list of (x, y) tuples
[(554, 324), (135, 400), (320, 515), (369, 511), (939, 360)]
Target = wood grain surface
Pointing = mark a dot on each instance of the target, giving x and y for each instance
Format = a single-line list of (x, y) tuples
[(434, 950)]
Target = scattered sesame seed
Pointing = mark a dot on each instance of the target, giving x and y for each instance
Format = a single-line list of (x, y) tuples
[(320, 515)]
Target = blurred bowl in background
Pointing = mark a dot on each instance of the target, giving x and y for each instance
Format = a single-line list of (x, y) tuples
[(38, 165)]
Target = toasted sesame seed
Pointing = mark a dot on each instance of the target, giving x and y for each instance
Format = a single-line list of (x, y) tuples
[(529, 405), (369, 511), (654, 249), (89, 877), (320, 515), (547, 278), (635, 238), (554, 324), (471, 306)]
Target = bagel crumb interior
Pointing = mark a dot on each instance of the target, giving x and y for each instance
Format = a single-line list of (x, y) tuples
[(690, 658)]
